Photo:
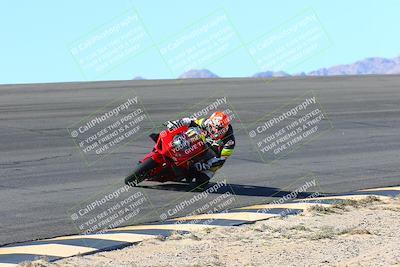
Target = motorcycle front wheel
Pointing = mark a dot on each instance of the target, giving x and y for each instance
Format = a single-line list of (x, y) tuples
[(140, 172)]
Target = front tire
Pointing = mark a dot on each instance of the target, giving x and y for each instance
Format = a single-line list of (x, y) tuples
[(141, 172)]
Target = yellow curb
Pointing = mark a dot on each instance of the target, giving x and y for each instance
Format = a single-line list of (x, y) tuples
[(302, 206), (243, 216), (173, 227), (345, 197), (125, 237), (56, 250), (395, 188)]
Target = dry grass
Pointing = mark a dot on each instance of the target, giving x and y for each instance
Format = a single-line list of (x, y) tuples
[(354, 231), (300, 227), (319, 209), (331, 232), (323, 233), (395, 209), (343, 205), (261, 228), (176, 235), (342, 235), (368, 200), (195, 236), (40, 262)]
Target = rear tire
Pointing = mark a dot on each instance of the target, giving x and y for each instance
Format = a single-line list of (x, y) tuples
[(141, 172)]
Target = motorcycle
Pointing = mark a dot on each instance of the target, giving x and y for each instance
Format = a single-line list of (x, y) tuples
[(173, 157)]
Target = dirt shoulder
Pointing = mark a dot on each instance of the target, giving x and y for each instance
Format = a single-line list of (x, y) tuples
[(362, 233)]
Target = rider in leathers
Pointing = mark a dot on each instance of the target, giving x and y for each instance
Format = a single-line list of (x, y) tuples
[(219, 134)]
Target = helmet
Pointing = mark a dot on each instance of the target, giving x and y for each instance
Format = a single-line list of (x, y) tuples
[(217, 125)]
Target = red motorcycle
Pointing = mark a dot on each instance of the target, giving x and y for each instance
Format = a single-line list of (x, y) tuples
[(173, 157)]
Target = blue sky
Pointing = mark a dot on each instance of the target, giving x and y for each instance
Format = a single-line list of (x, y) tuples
[(37, 35)]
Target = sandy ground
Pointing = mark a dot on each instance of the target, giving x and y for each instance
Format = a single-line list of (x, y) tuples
[(356, 234)]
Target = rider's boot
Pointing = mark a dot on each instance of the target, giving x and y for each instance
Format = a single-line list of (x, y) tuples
[(201, 180), (179, 173)]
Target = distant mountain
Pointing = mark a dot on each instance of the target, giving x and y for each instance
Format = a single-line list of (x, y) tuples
[(139, 78), (202, 73), (268, 74), (301, 74), (373, 65)]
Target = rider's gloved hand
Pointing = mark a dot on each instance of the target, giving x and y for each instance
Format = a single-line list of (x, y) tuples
[(186, 121), (213, 142), (171, 125)]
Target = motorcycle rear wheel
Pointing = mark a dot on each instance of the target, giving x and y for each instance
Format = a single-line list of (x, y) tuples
[(141, 172)]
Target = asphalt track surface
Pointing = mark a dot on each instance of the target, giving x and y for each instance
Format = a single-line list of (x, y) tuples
[(43, 175)]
